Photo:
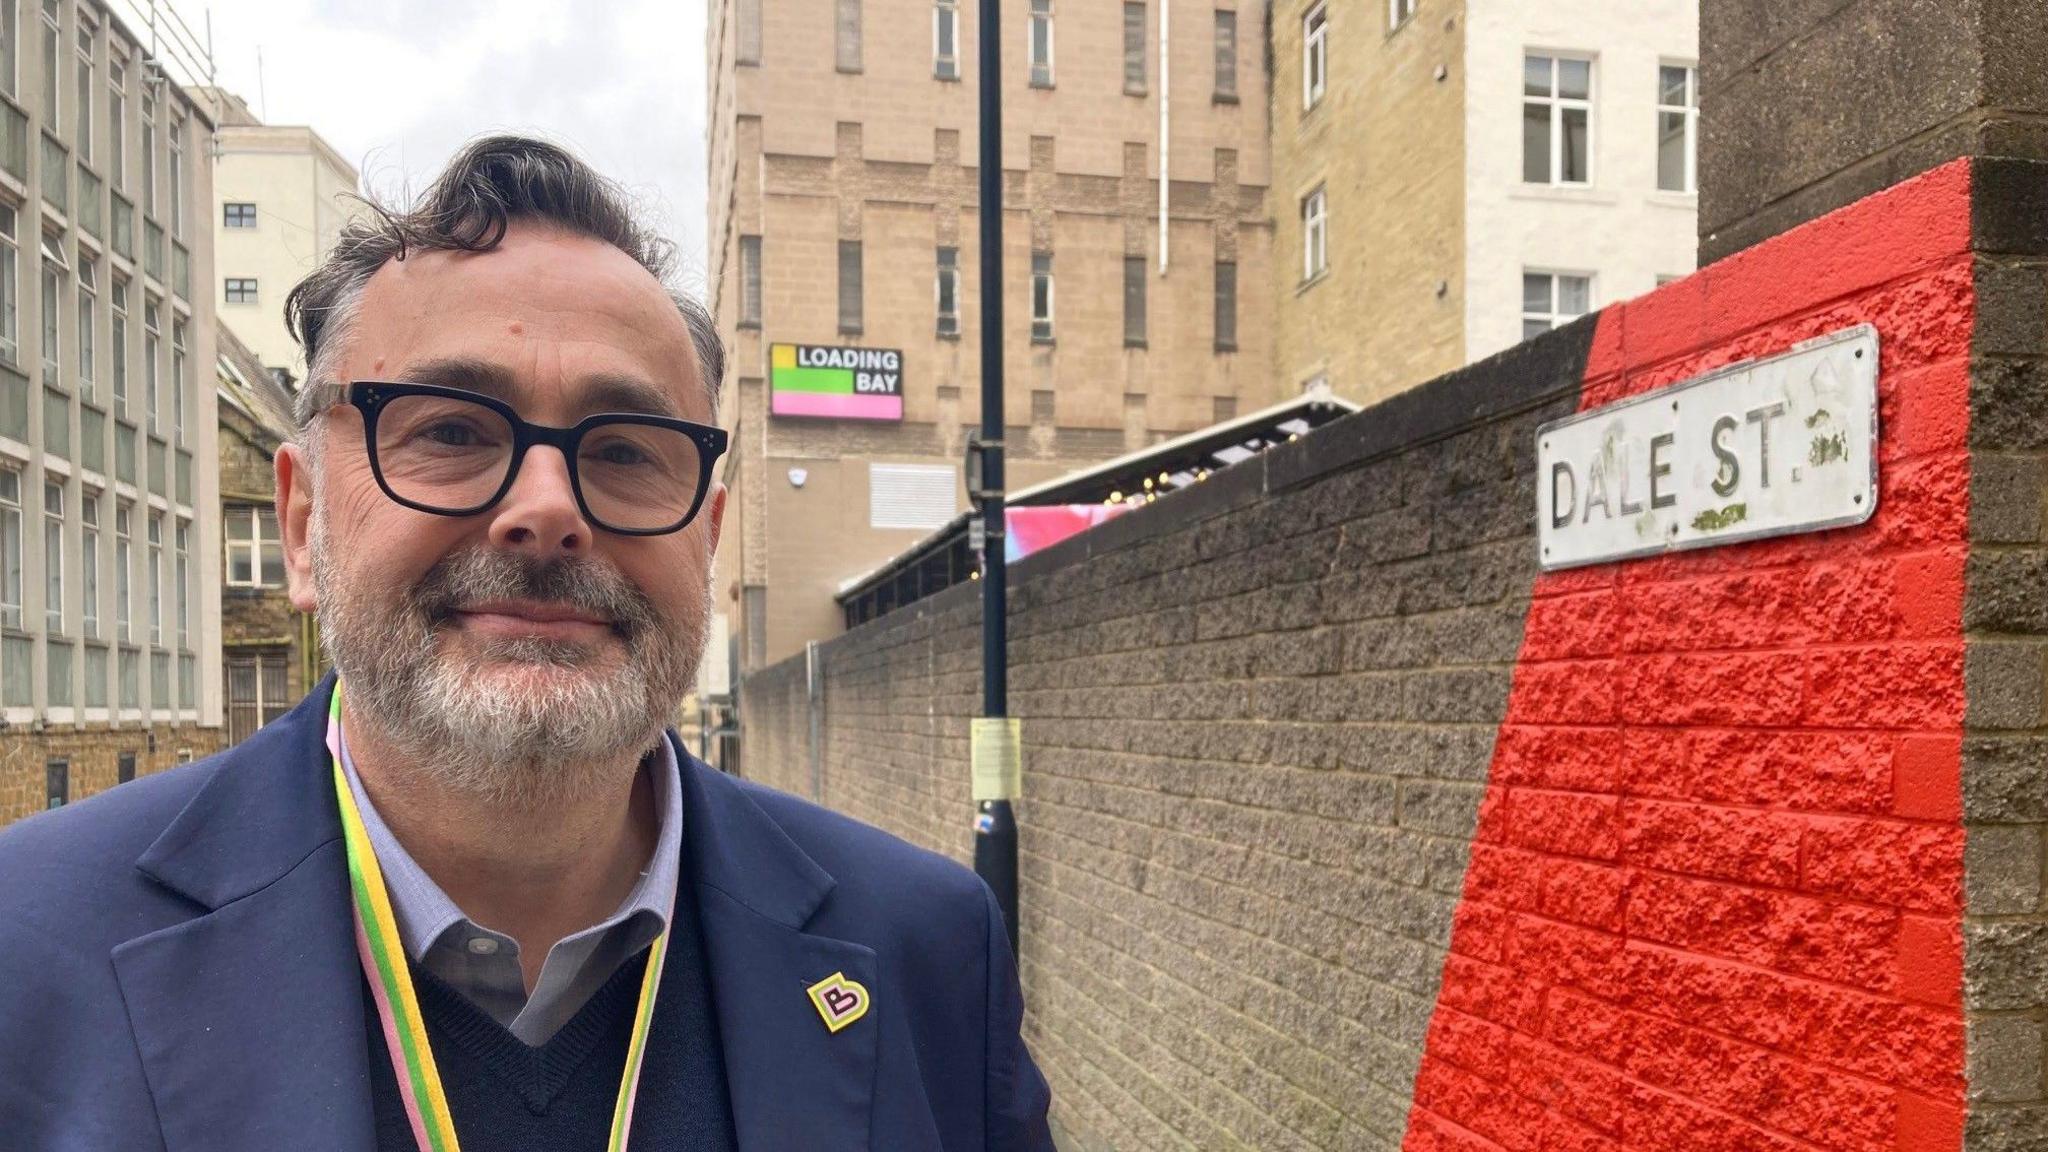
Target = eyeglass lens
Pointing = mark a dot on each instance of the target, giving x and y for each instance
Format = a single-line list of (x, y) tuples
[(453, 455)]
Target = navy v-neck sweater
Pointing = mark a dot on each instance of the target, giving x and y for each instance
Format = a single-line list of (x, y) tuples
[(560, 1096)]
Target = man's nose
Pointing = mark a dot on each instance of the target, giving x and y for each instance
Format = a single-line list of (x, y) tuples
[(539, 515)]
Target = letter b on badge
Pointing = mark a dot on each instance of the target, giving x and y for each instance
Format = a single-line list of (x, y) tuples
[(839, 1001)]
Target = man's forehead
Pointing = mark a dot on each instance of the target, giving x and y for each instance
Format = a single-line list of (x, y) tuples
[(604, 331)]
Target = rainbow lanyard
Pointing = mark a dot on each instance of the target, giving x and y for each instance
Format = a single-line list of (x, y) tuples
[(405, 1032)]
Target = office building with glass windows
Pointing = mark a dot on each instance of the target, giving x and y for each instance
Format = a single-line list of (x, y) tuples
[(110, 564)]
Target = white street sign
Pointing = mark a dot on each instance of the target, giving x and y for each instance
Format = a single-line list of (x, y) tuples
[(1761, 448)]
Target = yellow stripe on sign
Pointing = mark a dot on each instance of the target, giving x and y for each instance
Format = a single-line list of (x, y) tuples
[(782, 356)]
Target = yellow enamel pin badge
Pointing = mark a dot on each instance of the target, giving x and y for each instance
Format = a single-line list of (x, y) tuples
[(839, 1001)]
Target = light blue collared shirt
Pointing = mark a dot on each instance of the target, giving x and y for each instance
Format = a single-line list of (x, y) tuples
[(484, 965)]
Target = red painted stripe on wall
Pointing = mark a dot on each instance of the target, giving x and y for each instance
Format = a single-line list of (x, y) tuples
[(1715, 894)]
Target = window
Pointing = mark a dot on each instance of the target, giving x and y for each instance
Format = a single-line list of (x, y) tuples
[(1041, 297), (177, 174), (1226, 306), (53, 557), (1134, 301), (10, 287), (1550, 299), (118, 331), (117, 115), (88, 295), (56, 782), (10, 54), (124, 768), (1678, 125), (87, 33), (152, 340), (1315, 235), (947, 292), (148, 148), (849, 287), (1315, 56), (1398, 12), (1226, 55), (11, 548), (156, 583), (750, 281), (237, 215), (946, 39), (124, 623), (917, 496), (1039, 44), (1134, 49), (178, 379), (849, 35), (182, 561), (749, 33), (256, 692), (53, 55), (1557, 116), (89, 563), (255, 550), (53, 294), (241, 290)]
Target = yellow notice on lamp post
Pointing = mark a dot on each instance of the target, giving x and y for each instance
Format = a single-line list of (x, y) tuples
[(998, 758)]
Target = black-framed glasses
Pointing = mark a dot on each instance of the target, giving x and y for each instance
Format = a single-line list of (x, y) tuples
[(453, 452)]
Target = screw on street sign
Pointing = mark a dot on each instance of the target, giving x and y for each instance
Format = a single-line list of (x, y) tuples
[(1762, 448)]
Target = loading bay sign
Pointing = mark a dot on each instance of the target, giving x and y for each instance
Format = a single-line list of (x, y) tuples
[(1761, 448)]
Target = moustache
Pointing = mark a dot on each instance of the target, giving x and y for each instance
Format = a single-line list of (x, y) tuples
[(478, 575)]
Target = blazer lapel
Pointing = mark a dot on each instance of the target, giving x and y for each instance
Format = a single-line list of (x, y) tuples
[(249, 1017), (794, 1082)]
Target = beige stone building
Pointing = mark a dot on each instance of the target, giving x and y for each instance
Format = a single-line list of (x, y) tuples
[(843, 216), (281, 194), (109, 552), (1450, 175)]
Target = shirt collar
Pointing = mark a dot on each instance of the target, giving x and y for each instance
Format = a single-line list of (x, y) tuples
[(425, 913)]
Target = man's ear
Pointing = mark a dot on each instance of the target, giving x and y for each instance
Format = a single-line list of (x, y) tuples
[(295, 520), (717, 514)]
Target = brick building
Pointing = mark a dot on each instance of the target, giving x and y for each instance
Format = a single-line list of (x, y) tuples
[(843, 215), (109, 633), (1470, 172), (270, 651)]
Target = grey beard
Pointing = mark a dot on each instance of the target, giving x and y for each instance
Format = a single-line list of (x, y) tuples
[(478, 733)]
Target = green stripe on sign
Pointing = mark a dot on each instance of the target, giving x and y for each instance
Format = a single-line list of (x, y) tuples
[(838, 381)]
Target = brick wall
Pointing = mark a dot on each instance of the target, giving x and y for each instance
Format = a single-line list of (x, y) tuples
[(1344, 829)]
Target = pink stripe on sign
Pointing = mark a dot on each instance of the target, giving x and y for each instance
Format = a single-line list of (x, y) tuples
[(846, 407)]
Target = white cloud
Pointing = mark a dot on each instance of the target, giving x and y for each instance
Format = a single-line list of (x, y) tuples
[(398, 85)]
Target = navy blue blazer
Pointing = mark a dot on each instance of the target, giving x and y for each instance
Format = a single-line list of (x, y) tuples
[(178, 970)]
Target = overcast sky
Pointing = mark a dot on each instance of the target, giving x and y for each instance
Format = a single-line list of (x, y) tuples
[(397, 85)]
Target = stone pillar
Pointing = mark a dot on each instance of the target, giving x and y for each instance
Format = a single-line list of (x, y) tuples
[(1810, 105)]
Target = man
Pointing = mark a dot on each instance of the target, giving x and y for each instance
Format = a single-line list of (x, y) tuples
[(472, 892)]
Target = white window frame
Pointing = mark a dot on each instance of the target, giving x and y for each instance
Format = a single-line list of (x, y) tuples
[(178, 365), (124, 574), (87, 39), (945, 17), (1315, 54), (1691, 112), (13, 569), (53, 556), (88, 330), (89, 562), (1553, 318), (155, 556), (10, 51), (1557, 106), (53, 54), (251, 549), (10, 283), (1399, 12), (52, 282), (117, 116), (1039, 16), (181, 579), (1315, 234), (152, 347), (117, 343), (175, 149)]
